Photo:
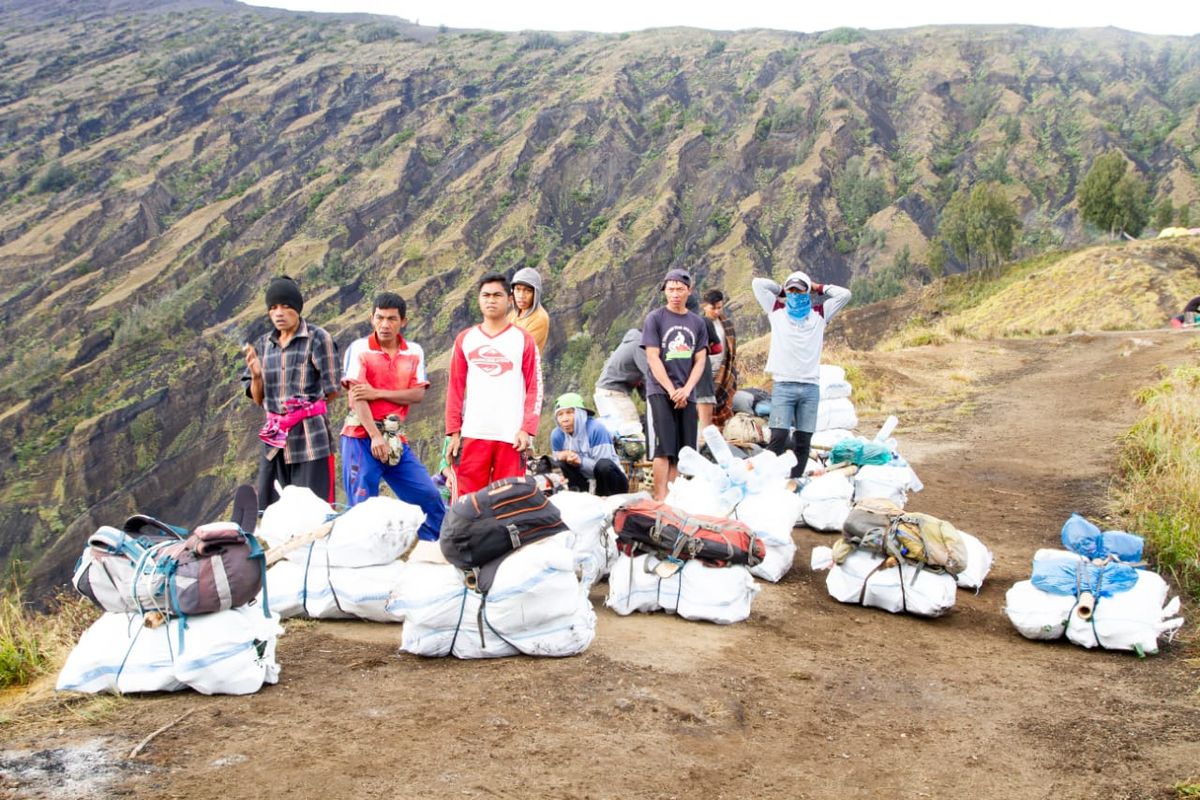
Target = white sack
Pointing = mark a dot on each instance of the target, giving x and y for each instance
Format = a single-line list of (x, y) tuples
[(979, 563), (696, 592), (926, 593), (771, 515), (836, 413), (700, 496), (890, 482), (1129, 620), (834, 385), (1037, 614), (827, 439), (536, 606), (220, 654), (324, 592), (297, 511), (588, 518)]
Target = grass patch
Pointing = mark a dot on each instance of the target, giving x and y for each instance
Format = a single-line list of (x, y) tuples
[(1188, 789), (1160, 466), (32, 643)]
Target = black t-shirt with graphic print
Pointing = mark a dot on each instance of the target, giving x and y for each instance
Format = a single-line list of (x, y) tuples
[(677, 336)]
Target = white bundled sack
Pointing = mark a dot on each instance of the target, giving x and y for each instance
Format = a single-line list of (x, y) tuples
[(890, 481), (700, 496), (836, 413), (834, 385), (825, 502), (536, 606), (696, 591), (323, 592), (588, 518), (979, 563), (229, 652), (824, 440), (925, 593), (297, 511), (1037, 614), (1131, 620), (771, 515), (378, 530)]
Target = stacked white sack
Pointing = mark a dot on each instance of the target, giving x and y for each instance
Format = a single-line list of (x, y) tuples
[(771, 515), (696, 591), (888, 481), (825, 440), (825, 502), (352, 571), (589, 519), (835, 410), (537, 606), (1132, 620), (925, 592), (228, 652)]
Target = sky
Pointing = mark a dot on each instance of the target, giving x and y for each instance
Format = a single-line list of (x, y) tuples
[(609, 16)]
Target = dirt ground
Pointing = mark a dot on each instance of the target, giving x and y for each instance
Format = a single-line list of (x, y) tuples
[(808, 699)]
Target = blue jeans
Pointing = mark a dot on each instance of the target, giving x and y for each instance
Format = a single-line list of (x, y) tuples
[(794, 406), (361, 473)]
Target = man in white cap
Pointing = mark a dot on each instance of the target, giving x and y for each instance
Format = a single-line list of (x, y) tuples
[(794, 359)]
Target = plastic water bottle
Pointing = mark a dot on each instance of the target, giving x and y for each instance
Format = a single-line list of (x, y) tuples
[(886, 429), (717, 445), (695, 465)]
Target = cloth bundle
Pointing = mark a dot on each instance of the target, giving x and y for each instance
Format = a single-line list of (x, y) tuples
[(537, 605), (351, 572), (1089, 594), (696, 591), (228, 652)]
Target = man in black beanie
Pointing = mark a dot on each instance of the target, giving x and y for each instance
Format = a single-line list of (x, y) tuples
[(292, 372)]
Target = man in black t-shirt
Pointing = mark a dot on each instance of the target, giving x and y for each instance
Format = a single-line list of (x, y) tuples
[(675, 341)]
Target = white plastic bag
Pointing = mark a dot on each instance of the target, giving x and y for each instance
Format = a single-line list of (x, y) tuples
[(771, 515), (700, 496), (697, 592), (588, 518), (1037, 614), (834, 385), (1132, 620), (536, 606), (888, 481), (324, 592), (825, 502), (979, 563), (925, 593), (836, 413), (376, 531), (229, 652)]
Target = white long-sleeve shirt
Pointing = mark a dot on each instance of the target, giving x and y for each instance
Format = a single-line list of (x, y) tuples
[(795, 352)]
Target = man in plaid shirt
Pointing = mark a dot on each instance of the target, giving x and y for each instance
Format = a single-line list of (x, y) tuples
[(293, 379)]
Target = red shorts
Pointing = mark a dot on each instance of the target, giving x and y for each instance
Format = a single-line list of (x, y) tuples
[(481, 461)]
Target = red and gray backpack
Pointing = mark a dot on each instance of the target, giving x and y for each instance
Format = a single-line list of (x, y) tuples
[(650, 526)]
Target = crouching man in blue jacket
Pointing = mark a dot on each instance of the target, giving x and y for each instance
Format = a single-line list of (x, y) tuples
[(584, 449)]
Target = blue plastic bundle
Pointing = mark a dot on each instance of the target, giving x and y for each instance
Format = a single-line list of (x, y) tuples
[(859, 452), (1082, 537), (1070, 576)]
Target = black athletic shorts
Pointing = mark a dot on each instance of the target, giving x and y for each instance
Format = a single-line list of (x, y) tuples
[(671, 429)]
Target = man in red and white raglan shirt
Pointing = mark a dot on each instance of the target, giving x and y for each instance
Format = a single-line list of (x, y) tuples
[(495, 394)]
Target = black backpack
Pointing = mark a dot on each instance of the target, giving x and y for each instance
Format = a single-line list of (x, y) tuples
[(487, 525)]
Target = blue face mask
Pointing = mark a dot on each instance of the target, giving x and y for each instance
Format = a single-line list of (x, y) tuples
[(798, 305)]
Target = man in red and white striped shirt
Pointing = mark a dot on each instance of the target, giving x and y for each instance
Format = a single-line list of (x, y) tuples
[(495, 394)]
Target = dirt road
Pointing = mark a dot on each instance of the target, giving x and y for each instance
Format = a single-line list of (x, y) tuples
[(808, 699)]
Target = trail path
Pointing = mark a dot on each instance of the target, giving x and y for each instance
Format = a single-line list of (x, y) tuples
[(809, 699)]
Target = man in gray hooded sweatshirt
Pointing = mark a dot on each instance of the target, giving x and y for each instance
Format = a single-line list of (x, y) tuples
[(798, 312)]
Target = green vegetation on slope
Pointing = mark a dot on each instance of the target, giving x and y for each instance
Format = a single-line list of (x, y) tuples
[(1160, 490)]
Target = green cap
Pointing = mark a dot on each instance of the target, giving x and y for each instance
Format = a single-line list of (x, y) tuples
[(568, 400)]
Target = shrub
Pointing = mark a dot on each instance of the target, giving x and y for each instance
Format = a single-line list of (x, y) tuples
[(55, 179)]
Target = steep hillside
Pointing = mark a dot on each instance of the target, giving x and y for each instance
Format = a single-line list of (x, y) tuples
[(160, 160)]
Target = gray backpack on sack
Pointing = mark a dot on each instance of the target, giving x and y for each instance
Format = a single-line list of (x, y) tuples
[(152, 566)]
